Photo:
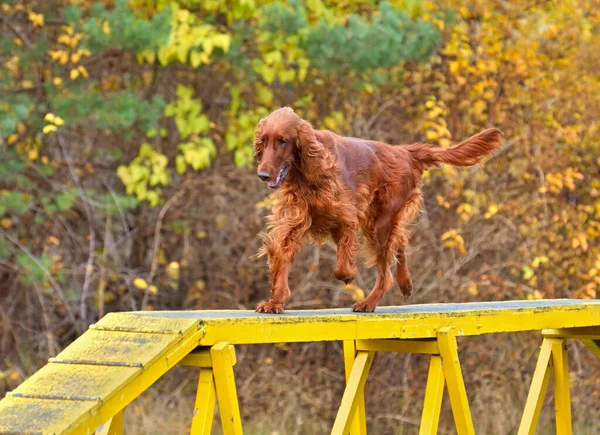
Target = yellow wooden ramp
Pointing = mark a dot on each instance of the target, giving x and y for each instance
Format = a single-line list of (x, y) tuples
[(93, 380)]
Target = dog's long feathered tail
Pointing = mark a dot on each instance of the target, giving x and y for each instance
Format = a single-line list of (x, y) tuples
[(466, 153)]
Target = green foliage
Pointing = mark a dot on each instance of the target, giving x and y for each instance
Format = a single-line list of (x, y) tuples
[(14, 202), (14, 109), (65, 200), (119, 28), (114, 111), (387, 39)]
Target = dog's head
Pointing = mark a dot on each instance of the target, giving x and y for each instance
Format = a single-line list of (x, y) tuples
[(279, 139)]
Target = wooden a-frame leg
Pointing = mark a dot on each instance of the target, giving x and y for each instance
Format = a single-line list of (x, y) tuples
[(204, 408), (434, 392), (355, 384), (562, 395), (553, 354), (112, 427), (359, 421), (223, 360), (454, 380), (537, 391)]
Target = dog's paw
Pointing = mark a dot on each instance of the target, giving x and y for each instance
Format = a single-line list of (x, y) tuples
[(406, 288), (363, 307), (345, 275), (269, 306)]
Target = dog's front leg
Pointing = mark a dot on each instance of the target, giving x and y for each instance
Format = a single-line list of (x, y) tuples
[(282, 244), (347, 248)]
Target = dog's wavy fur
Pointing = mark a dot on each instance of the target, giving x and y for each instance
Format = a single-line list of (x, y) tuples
[(337, 185)]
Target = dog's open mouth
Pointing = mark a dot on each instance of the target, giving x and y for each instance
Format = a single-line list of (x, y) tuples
[(276, 184)]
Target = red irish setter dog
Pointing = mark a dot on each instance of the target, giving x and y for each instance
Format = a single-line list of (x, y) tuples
[(331, 185)]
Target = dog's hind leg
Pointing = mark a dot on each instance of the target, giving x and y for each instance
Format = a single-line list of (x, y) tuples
[(387, 237), (402, 272), (347, 248), (381, 235), (406, 215)]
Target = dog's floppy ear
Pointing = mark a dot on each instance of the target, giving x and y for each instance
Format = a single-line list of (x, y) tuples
[(258, 135), (306, 136), (315, 158)]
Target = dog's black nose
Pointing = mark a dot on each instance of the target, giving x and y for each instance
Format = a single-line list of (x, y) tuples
[(264, 175)]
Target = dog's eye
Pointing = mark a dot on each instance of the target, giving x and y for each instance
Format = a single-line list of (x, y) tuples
[(282, 143)]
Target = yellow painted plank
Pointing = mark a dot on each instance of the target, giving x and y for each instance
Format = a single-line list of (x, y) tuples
[(150, 374), (141, 322), (76, 382), (36, 416), (414, 321), (199, 357), (590, 332), (117, 386), (116, 348), (429, 346)]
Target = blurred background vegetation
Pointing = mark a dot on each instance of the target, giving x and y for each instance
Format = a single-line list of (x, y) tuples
[(127, 181)]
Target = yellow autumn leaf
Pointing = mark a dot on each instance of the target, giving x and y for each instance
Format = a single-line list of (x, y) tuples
[(140, 283), (357, 293), (173, 270), (472, 290), (12, 139), (432, 135), (183, 15), (36, 19), (49, 117), (153, 289), (32, 155), (83, 71), (6, 223), (106, 28), (74, 74), (57, 81), (48, 129), (492, 210), (58, 121)]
